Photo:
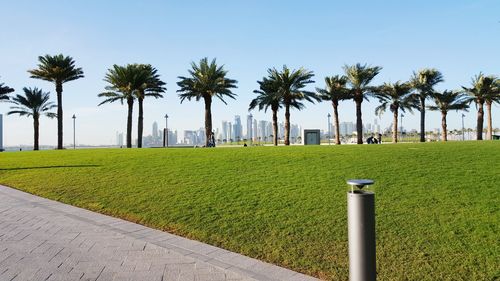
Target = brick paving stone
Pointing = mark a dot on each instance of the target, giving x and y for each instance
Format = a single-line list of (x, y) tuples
[(41, 239)]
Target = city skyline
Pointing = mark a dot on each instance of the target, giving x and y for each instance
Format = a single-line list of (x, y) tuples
[(392, 41)]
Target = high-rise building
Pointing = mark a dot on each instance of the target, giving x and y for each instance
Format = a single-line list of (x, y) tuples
[(224, 131), (262, 130), (255, 130), (346, 128), (249, 134), (119, 139), (155, 131), (237, 128)]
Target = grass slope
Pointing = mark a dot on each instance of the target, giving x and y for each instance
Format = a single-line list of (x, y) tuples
[(437, 204)]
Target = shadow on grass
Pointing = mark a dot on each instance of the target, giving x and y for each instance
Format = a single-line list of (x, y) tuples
[(49, 167)]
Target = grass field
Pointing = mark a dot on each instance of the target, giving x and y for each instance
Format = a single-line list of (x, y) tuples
[(437, 203)]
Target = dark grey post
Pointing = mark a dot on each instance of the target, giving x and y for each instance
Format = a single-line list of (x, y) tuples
[(361, 231)]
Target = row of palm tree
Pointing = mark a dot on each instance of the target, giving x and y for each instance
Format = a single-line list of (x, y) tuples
[(281, 88)]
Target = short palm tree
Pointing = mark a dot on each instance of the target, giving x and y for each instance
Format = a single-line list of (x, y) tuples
[(148, 84), (446, 101), (34, 103), (482, 88), (206, 81), (396, 97), (290, 84), (335, 91), (4, 91), (268, 98), (423, 82), (59, 70), (121, 88), (358, 78), (492, 97)]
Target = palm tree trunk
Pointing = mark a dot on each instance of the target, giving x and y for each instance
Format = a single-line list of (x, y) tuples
[(422, 119), (395, 126), (275, 127), (359, 121), (59, 90), (36, 127), (480, 121), (336, 121), (208, 119), (489, 125), (130, 103), (444, 127), (287, 124), (140, 124)]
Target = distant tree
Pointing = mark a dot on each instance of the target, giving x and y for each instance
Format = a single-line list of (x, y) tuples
[(268, 97), (59, 70), (335, 91), (423, 82), (147, 84), (290, 85), (446, 101), (34, 103), (206, 81), (396, 97), (482, 88), (358, 78), (4, 91), (121, 88)]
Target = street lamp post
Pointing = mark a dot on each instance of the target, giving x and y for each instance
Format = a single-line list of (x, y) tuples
[(329, 128), (74, 132), (463, 129), (250, 134), (166, 130)]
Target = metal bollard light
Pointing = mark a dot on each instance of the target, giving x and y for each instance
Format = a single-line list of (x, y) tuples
[(361, 231)]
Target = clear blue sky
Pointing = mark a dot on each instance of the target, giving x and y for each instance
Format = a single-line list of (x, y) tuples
[(460, 38)]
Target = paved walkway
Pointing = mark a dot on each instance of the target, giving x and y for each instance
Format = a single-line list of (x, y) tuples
[(41, 239)]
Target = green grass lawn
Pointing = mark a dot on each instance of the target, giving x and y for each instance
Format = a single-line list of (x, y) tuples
[(437, 204)]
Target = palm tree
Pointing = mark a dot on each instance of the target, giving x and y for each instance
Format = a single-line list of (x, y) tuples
[(491, 98), (424, 82), (4, 91), (34, 103), (206, 82), (268, 97), (482, 88), (359, 77), (334, 91), (59, 70), (290, 84), (446, 101), (121, 80), (396, 97), (148, 83)]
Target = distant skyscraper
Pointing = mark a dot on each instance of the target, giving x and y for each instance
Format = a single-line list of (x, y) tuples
[(237, 128), (249, 127), (155, 131), (346, 128), (255, 130), (119, 139), (224, 131)]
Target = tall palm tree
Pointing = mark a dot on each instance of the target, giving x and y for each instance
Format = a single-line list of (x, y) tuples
[(268, 97), (59, 70), (334, 91), (121, 88), (358, 78), (396, 97), (482, 88), (492, 97), (4, 91), (206, 82), (148, 84), (423, 82), (34, 103), (446, 101), (290, 85)]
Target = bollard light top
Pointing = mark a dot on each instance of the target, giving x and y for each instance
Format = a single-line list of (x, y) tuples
[(359, 183)]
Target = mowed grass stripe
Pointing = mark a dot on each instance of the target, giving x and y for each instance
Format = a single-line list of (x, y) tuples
[(437, 203)]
